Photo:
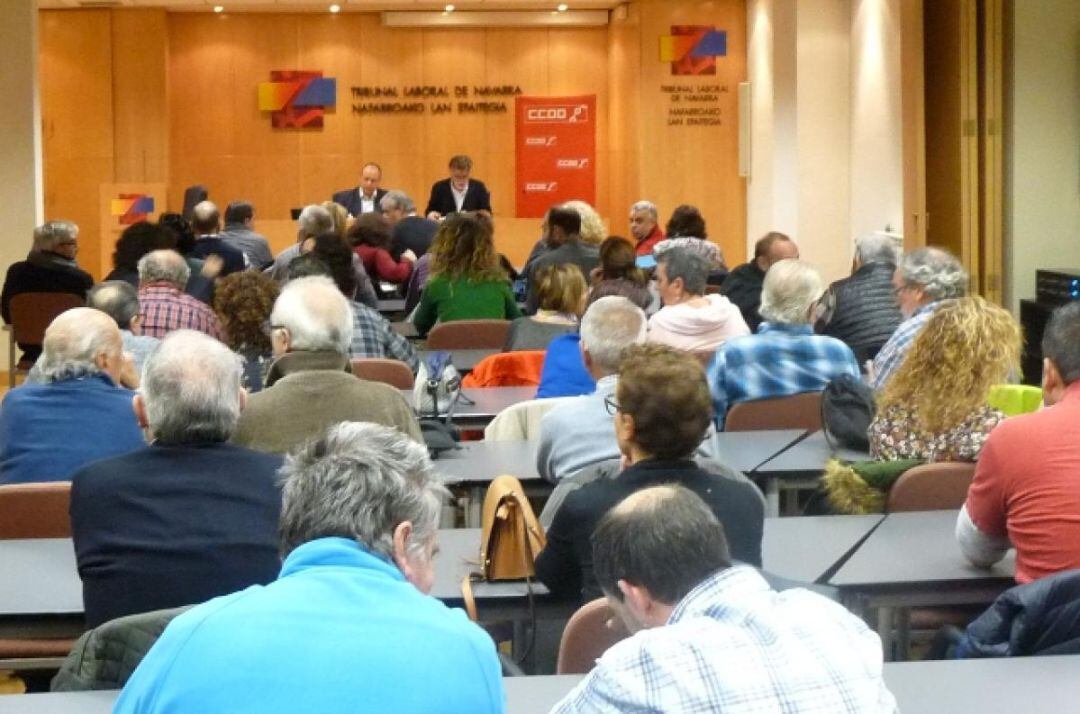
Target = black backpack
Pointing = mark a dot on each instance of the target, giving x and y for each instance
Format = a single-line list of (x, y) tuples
[(847, 408)]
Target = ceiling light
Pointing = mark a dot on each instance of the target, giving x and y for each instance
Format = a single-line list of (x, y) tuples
[(219, 8), (335, 8), (449, 8), (563, 7)]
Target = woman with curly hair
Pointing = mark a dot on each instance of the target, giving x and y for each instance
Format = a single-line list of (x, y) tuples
[(592, 226), (243, 302), (466, 281), (935, 406)]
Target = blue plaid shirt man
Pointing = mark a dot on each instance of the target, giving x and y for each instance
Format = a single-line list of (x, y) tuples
[(373, 336), (735, 645), (779, 361), (892, 353)]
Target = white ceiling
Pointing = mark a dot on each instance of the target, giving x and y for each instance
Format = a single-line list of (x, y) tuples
[(321, 5)]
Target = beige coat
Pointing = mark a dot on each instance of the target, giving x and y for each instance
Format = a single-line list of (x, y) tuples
[(307, 392)]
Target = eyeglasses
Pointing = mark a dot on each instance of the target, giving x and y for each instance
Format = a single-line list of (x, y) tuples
[(268, 328), (611, 405)]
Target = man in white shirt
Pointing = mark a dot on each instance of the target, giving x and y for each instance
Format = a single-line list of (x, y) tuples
[(460, 192), (712, 636), (365, 197)]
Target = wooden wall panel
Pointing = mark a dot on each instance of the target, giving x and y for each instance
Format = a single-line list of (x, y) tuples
[(140, 102)]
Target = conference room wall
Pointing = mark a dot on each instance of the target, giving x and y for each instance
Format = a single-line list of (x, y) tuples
[(145, 95)]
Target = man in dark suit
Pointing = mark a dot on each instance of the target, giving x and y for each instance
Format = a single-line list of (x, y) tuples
[(411, 232), (458, 193), (206, 221), (366, 197), (191, 516)]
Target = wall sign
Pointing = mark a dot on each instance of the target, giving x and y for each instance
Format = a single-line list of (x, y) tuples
[(432, 99), (296, 98), (556, 152)]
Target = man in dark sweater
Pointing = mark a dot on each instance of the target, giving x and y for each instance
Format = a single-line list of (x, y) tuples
[(562, 228), (743, 284), (49, 268), (411, 232), (861, 309), (192, 516), (206, 221), (662, 411)]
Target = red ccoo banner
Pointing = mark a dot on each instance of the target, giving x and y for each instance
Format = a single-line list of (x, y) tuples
[(556, 152)]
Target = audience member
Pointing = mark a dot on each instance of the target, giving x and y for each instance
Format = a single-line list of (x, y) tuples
[(78, 413), (564, 245), (410, 230), (191, 516), (1026, 493), (686, 230), (165, 307), (690, 319), (372, 240), (340, 216), (203, 272), (120, 301), (592, 229), (206, 222), (712, 635), (581, 432), (348, 624), (784, 357), (373, 335), (561, 293), (743, 284), (310, 385), (50, 267), (924, 278), (645, 227), (134, 242), (934, 408), (661, 414), (240, 233), (861, 309), (243, 302), (466, 281), (618, 274)]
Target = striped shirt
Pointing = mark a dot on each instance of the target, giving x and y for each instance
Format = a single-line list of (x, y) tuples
[(735, 645), (165, 308), (779, 361), (894, 351)]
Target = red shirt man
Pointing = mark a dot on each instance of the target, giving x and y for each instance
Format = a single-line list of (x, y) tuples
[(1026, 491), (644, 227)]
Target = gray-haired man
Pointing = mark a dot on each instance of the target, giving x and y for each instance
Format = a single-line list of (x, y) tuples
[(411, 231), (348, 625), (192, 516)]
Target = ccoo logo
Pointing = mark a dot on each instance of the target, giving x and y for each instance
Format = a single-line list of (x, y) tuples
[(568, 114)]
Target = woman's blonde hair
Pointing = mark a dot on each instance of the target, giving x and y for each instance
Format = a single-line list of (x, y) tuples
[(967, 346), (464, 248), (561, 288), (340, 216), (592, 226)]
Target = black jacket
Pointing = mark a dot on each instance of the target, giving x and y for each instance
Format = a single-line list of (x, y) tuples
[(349, 199), (1039, 618), (864, 313), (565, 566), (413, 233), (28, 277), (477, 198), (167, 526), (742, 286)]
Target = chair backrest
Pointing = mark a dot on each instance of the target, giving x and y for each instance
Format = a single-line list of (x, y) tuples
[(469, 335), (35, 510), (522, 420), (931, 487), (507, 369), (193, 195), (1015, 399), (388, 371), (800, 411), (31, 313), (587, 636)]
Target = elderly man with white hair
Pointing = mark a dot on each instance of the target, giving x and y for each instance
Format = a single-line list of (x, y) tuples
[(861, 309), (163, 275), (77, 412), (190, 517), (924, 278), (645, 227), (784, 357), (310, 385), (49, 268), (348, 625)]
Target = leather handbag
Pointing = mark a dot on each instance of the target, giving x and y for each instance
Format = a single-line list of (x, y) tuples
[(510, 539)]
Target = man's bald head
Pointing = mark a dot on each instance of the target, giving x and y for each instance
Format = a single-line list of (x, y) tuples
[(164, 266), (315, 315), (205, 218), (81, 342)]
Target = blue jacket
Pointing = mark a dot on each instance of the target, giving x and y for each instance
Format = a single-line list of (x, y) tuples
[(50, 431), (341, 630), (564, 373)]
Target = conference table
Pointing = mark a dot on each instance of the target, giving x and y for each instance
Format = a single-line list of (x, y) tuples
[(913, 560), (465, 361), (800, 466), (481, 404), (1034, 685)]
